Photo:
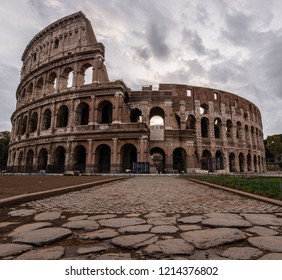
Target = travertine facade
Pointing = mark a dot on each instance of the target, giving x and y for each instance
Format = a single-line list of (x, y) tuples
[(69, 116)]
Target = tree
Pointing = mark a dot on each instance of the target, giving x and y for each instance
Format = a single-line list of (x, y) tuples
[(273, 147), (4, 146)]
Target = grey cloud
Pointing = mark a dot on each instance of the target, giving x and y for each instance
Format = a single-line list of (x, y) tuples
[(194, 41), (195, 67), (156, 36), (9, 78)]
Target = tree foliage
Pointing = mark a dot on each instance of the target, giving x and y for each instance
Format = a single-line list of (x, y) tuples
[(4, 146), (273, 147)]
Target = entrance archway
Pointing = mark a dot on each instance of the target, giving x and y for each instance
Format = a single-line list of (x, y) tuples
[(128, 156), (158, 157), (179, 160), (42, 159), (79, 158), (206, 161), (103, 155), (59, 160)]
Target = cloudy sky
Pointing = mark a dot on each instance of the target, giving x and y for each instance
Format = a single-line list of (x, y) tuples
[(234, 46)]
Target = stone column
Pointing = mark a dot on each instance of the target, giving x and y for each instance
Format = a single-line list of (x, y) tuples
[(89, 159), (117, 109), (92, 110), (114, 161)]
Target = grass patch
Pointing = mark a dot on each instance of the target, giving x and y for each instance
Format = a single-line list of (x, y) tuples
[(265, 186)]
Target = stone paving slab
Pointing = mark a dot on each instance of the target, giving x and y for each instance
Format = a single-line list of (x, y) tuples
[(52, 253), (42, 236), (207, 238), (269, 243), (13, 249), (242, 253)]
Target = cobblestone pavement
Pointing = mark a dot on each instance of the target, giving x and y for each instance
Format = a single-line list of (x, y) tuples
[(143, 218)]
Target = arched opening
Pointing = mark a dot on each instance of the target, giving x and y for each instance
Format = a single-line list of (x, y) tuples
[(52, 82), (205, 127), (204, 109), (30, 90), (179, 160), (42, 159), (56, 43), (128, 157), (232, 162), (66, 80), (239, 130), (33, 122), (70, 79), (249, 162), (59, 160), (88, 73), (63, 116), (157, 116), (206, 161), (106, 112), (217, 128), (29, 160), (158, 158), (219, 160), (103, 158), (82, 114), (241, 162), (247, 137), (24, 126), (39, 87), (136, 115), (79, 158), (229, 126), (46, 120), (255, 164), (191, 123), (20, 162)]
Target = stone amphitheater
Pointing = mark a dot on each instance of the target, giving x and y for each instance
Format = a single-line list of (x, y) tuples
[(70, 116)]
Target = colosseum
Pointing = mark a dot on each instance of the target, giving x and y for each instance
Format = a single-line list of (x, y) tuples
[(70, 117)]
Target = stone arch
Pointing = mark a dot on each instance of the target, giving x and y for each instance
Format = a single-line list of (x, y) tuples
[(52, 82), (79, 158), (63, 116), (82, 114), (42, 159), (249, 163), (59, 159), (179, 160), (87, 70), (24, 125), (33, 122), (204, 109), (204, 127), (67, 78), (159, 159), (232, 167), (241, 162), (157, 116), (255, 164), (217, 128), (191, 122), (29, 160), (229, 126), (103, 158), (219, 160), (206, 161), (30, 90), (105, 110), (239, 130), (39, 87), (20, 161), (128, 154), (46, 120), (135, 115)]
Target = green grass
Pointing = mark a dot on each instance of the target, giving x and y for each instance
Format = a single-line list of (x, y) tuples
[(265, 186)]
